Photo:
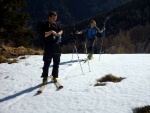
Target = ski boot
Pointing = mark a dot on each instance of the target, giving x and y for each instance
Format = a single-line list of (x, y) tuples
[(45, 80), (55, 79), (90, 56)]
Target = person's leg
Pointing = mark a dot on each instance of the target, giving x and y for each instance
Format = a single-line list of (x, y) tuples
[(92, 47), (85, 47), (91, 43), (56, 61), (88, 46), (46, 68), (45, 71)]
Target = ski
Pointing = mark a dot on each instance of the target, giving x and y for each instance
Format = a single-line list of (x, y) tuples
[(41, 89), (85, 60), (58, 85), (43, 86)]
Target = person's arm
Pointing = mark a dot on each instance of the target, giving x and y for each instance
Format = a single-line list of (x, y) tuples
[(79, 32), (82, 31), (59, 33), (50, 32), (100, 31)]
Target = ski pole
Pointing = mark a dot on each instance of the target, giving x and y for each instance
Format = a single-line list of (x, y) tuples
[(73, 47), (78, 58), (88, 64), (87, 55), (85, 45), (101, 48), (74, 44), (72, 55), (103, 36)]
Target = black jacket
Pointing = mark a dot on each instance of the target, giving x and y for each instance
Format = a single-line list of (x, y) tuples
[(50, 44)]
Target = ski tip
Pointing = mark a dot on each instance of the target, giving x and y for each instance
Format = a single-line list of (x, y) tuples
[(60, 87), (39, 92)]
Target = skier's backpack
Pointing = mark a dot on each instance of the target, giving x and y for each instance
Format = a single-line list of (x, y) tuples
[(40, 30)]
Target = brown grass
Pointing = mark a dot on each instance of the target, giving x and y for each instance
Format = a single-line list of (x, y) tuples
[(13, 61), (3, 59), (23, 57), (110, 78), (145, 109), (100, 84), (12, 52)]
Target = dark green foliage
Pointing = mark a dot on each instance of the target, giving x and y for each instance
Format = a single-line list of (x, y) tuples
[(14, 21)]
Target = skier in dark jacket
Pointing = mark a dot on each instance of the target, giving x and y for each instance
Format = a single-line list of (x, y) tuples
[(52, 50), (91, 32)]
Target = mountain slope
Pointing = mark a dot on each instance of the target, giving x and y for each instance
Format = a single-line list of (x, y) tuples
[(128, 27), (69, 11), (124, 17)]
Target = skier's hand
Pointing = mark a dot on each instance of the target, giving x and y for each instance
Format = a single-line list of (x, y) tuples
[(100, 31), (58, 35), (54, 32)]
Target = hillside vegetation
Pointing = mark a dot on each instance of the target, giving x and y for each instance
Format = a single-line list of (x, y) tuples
[(127, 30)]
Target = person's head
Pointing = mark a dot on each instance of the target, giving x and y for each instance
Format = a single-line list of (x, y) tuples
[(52, 17), (92, 23)]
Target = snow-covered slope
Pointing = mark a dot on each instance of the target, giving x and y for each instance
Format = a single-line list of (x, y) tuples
[(19, 83)]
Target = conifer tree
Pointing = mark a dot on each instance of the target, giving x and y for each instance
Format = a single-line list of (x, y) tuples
[(14, 21)]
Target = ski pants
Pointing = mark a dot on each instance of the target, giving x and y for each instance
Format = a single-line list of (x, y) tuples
[(47, 62), (90, 45)]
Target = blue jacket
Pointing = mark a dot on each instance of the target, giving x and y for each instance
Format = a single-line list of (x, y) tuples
[(91, 32)]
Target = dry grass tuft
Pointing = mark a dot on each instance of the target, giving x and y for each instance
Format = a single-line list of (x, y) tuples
[(38, 53), (110, 78), (100, 84), (145, 109), (23, 57), (13, 61)]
